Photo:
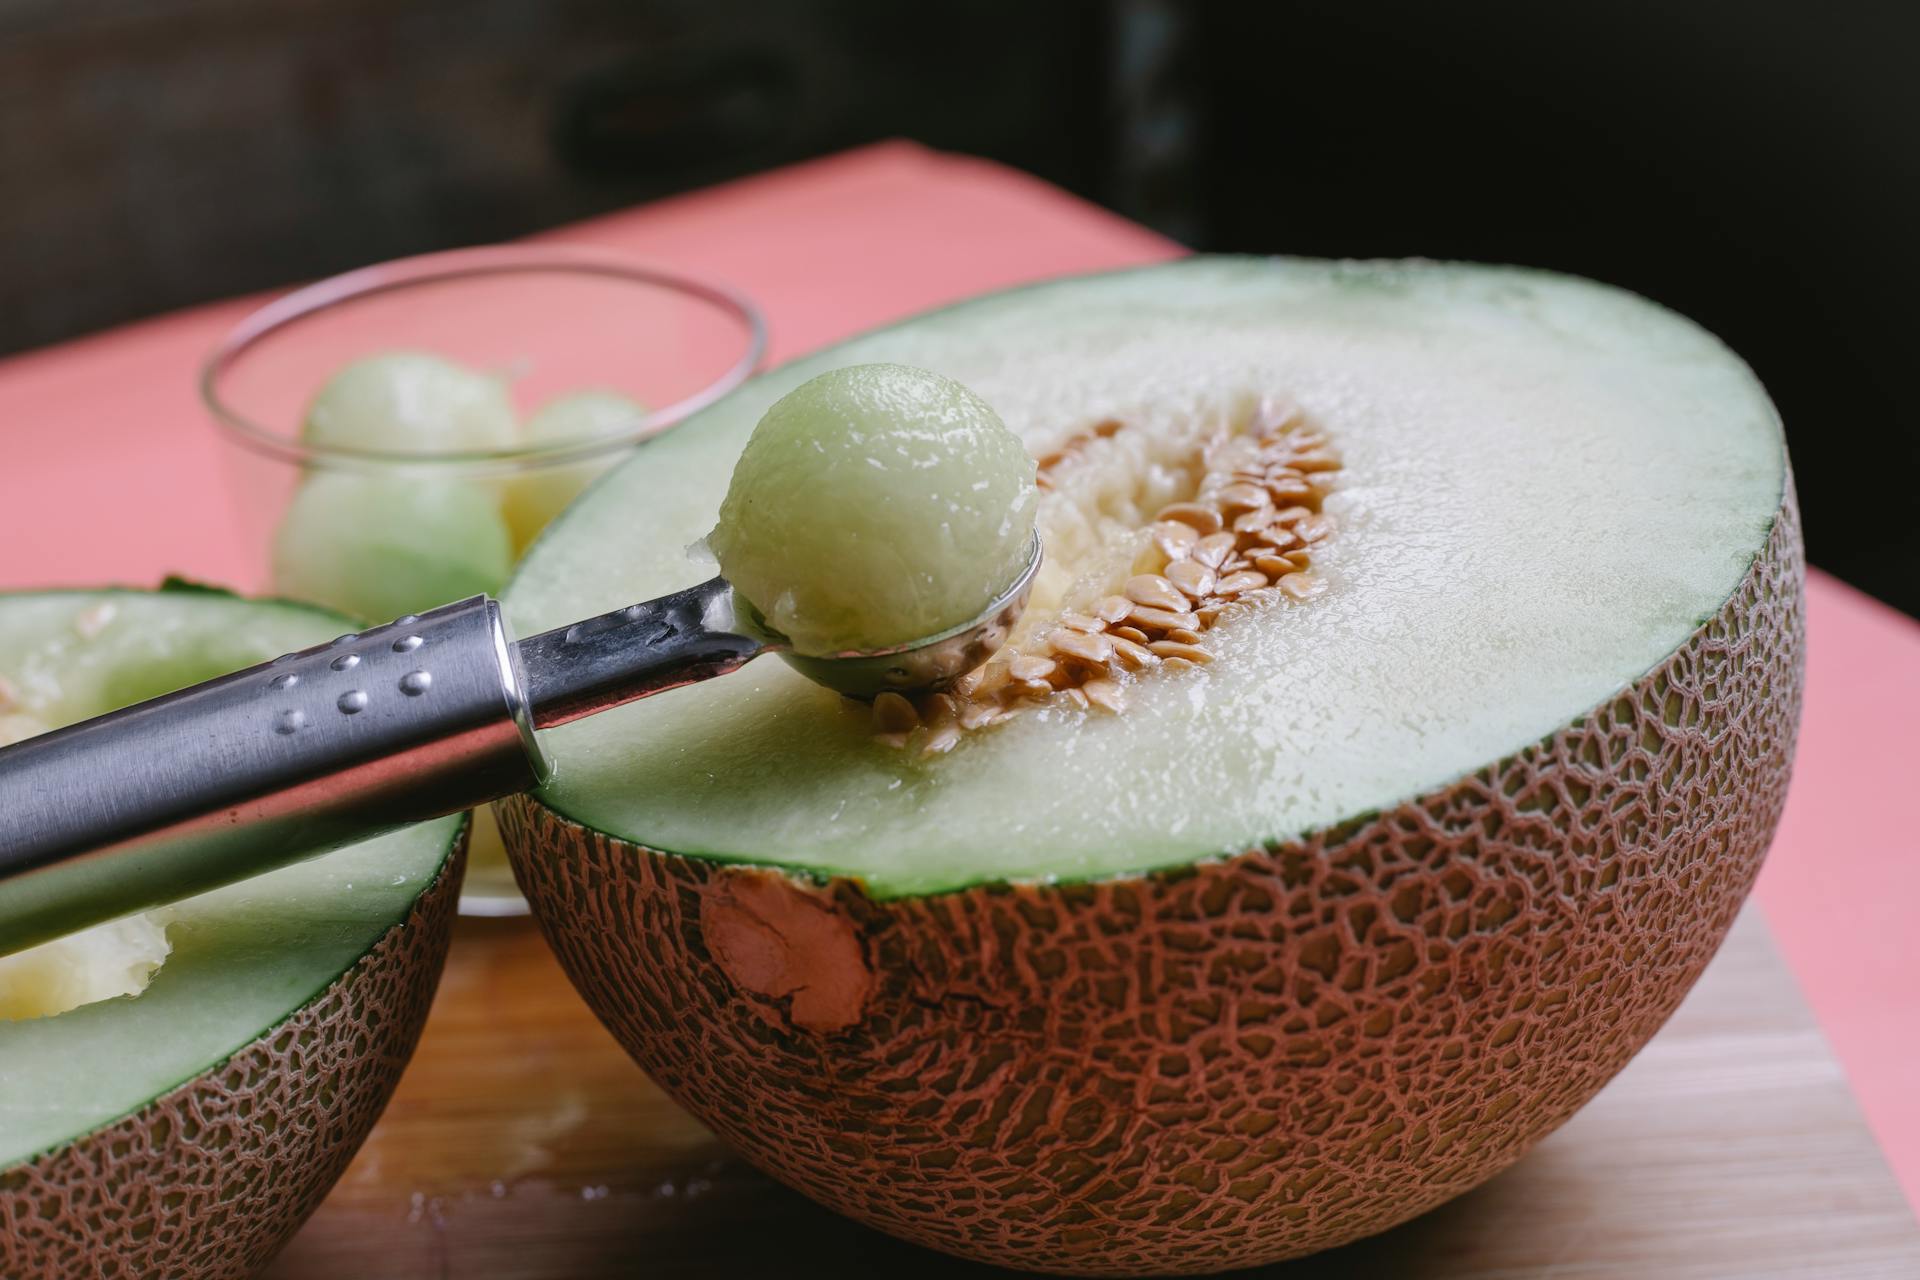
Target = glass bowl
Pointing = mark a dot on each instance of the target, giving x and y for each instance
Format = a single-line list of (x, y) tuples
[(545, 322)]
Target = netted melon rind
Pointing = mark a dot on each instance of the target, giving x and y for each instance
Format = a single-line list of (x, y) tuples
[(1232, 1064), (210, 1180)]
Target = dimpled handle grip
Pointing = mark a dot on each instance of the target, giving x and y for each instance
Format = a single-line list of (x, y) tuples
[(421, 717)]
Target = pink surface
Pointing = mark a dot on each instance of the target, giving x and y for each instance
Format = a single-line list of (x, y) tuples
[(110, 473), (1844, 877)]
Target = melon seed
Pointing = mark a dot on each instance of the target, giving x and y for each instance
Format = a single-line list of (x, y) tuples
[(1174, 539), (1156, 592), (1303, 586), (1105, 694), (1132, 654), (1030, 668), (1161, 619), (1092, 650), (1241, 497), (1192, 577), (1315, 528), (1172, 649), (1203, 519), (939, 710), (894, 714), (1213, 549), (1253, 521)]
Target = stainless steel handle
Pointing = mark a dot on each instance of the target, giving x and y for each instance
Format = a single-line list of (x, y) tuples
[(421, 717)]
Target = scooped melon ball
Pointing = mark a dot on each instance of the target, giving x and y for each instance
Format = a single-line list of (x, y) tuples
[(536, 497), (874, 506), (117, 958), (380, 545), (411, 402)]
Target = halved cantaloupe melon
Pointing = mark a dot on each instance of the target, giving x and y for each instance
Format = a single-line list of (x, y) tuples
[(189, 1130), (1317, 918)]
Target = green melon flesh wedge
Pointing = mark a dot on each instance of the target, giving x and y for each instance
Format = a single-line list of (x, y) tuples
[(243, 958), (1548, 485)]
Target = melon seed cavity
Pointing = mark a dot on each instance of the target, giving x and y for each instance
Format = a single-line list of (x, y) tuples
[(1248, 533)]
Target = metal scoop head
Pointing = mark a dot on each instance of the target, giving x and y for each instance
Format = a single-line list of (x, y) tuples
[(926, 665)]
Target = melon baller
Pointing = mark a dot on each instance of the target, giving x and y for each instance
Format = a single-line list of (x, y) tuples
[(425, 716)]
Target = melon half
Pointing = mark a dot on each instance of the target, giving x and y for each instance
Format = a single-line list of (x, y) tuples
[(229, 1053), (1315, 930)]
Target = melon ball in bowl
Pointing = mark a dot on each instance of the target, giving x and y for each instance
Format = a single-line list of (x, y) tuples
[(411, 402), (400, 434)]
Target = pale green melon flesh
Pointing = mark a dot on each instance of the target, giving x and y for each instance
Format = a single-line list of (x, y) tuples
[(1548, 486), (244, 957)]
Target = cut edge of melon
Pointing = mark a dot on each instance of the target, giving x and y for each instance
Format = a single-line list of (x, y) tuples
[(1382, 271), (1782, 538)]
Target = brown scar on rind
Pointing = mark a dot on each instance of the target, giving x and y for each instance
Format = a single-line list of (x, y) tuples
[(780, 941)]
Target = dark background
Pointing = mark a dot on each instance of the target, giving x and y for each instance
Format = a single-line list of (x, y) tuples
[(1754, 165)]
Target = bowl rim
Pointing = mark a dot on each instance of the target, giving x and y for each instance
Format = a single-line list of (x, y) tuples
[(457, 264)]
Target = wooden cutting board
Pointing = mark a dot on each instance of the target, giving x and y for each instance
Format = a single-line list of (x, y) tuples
[(523, 1145)]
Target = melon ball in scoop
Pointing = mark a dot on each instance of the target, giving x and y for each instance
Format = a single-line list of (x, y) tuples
[(875, 506)]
